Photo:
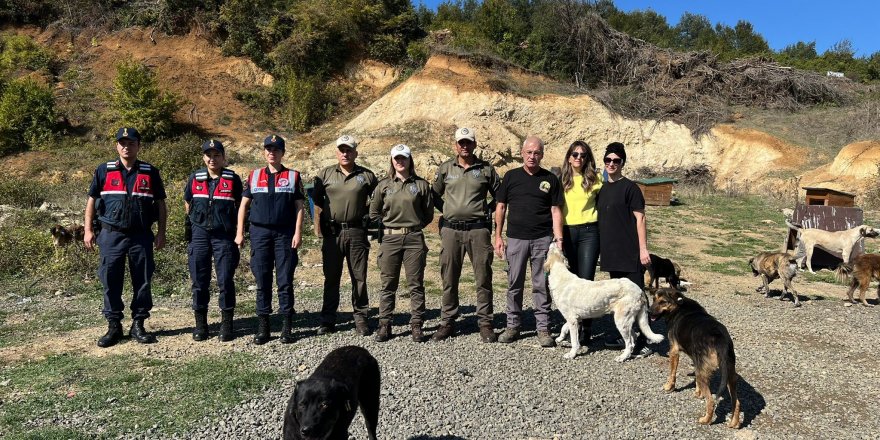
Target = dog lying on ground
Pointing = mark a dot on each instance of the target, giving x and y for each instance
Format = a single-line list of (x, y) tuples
[(864, 268), (663, 268), (577, 299), (324, 404), (707, 342), (842, 241), (773, 265), (63, 236)]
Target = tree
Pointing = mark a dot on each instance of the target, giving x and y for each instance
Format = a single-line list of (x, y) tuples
[(137, 101), (27, 115), (694, 32)]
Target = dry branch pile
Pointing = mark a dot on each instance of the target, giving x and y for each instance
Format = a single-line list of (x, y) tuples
[(692, 88)]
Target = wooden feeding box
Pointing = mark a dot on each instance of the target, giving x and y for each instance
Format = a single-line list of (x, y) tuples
[(657, 191), (826, 218), (828, 197)]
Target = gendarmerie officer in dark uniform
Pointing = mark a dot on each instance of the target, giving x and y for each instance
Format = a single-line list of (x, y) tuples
[(274, 194), (460, 191), (128, 197), (404, 203), (342, 195), (212, 196)]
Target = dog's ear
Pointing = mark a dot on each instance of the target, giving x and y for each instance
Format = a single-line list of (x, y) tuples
[(652, 290), (679, 298)]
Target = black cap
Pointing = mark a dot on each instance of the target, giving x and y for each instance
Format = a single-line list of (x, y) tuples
[(212, 144), (618, 149), (128, 133), (274, 140)]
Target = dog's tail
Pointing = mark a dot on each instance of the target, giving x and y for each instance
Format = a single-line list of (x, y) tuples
[(724, 365), (843, 272), (654, 338)]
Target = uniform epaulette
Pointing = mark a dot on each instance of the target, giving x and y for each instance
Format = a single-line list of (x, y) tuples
[(145, 166), (112, 166), (201, 176), (228, 173)]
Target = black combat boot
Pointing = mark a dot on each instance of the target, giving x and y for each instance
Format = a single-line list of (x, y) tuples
[(138, 333), (286, 336), (113, 335), (262, 335), (200, 331), (227, 333)]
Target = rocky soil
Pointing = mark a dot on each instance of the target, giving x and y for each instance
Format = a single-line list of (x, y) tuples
[(808, 372)]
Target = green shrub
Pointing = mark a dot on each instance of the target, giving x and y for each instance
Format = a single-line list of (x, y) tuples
[(175, 157), (27, 116), (137, 101), (21, 250), (21, 52), (22, 193), (304, 101)]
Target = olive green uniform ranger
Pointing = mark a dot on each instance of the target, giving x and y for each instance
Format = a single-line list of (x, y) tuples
[(460, 195), (405, 208), (344, 201)]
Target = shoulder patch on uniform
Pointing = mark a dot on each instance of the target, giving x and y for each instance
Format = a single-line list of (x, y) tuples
[(111, 166)]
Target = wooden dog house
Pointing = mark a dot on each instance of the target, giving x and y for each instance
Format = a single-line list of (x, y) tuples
[(657, 191), (828, 197), (827, 218)]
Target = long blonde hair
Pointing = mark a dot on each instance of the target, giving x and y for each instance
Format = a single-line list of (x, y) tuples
[(588, 169)]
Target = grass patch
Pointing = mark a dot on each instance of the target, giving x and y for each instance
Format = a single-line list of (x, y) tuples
[(823, 276), (728, 268), (33, 319), (122, 392)]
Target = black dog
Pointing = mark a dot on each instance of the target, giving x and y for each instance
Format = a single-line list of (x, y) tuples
[(323, 406), (662, 268), (707, 342)]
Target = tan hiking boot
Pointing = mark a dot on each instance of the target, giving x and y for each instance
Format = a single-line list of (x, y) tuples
[(509, 335), (545, 339)]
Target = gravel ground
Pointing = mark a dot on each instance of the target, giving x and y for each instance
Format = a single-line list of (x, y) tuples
[(810, 372)]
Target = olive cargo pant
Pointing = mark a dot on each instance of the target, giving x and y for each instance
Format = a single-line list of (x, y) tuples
[(477, 244), (410, 252)]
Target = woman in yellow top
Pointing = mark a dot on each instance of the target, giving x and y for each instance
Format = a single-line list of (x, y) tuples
[(580, 233)]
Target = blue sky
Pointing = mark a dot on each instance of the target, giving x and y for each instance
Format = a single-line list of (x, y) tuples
[(781, 22)]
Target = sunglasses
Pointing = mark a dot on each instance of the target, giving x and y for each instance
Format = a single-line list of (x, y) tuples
[(577, 155), (616, 161)]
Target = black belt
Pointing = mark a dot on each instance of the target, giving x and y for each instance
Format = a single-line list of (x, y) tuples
[(357, 224), (466, 225), (106, 227)]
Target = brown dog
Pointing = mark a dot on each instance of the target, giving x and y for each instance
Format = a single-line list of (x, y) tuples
[(65, 235), (773, 265), (864, 268), (707, 342)]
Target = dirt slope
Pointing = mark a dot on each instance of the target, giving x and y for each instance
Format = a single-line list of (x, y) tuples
[(424, 110), (853, 170)]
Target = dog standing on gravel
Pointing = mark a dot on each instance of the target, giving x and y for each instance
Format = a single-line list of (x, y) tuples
[(663, 268), (773, 265), (324, 404), (864, 268), (707, 342), (577, 298), (842, 241)]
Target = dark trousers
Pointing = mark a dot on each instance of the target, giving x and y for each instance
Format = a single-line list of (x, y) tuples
[(477, 244), (115, 248), (580, 243), (353, 246), (203, 246), (271, 249), (410, 252)]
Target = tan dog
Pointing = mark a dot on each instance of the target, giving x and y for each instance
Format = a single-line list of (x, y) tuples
[(773, 265), (63, 236), (864, 268), (577, 298), (842, 241)]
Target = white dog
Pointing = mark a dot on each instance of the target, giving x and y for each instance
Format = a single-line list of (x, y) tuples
[(577, 298), (840, 241)]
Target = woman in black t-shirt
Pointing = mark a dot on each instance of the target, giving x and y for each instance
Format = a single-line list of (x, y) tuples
[(623, 233)]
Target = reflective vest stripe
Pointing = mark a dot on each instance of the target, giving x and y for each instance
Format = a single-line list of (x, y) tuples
[(113, 192)]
